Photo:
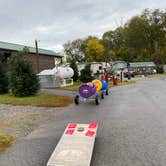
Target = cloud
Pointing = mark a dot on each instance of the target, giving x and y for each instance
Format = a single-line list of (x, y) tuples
[(54, 22)]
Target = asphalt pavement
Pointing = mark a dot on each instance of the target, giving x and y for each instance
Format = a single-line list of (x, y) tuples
[(132, 129)]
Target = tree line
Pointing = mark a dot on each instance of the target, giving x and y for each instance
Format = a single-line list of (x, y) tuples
[(142, 38)]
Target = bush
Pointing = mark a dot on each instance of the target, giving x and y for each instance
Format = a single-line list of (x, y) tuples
[(23, 80), (3, 81), (160, 69), (86, 74), (73, 65)]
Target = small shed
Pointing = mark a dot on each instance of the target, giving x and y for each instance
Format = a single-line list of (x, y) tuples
[(48, 78), (56, 77), (143, 67)]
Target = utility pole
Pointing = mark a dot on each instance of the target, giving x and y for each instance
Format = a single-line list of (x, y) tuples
[(37, 56)]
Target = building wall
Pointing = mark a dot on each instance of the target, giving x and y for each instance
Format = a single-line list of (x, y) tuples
[(45, 61)]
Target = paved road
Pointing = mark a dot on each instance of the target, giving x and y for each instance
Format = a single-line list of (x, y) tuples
[(132, 129)]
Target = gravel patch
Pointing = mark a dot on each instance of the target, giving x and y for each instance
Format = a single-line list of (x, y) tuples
[(19, 121)]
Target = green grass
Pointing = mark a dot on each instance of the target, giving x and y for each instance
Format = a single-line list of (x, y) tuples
[(73, 87), (76, 85), (5, 141), (156, 75), (41, 100)]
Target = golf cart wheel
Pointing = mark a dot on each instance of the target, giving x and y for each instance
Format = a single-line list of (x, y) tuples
[(102, 95), (107, 92), (76, 100), (97, 100)]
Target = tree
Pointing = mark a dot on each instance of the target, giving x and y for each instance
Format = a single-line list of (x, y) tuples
[(108, 40), (159, 58), (111, 56), (136, 35), (160, 69), (94, 50), (3, 77), (156, 22), (124, 54), (1, 58), (3, 81), (73, 65), (142, 37), (145, 34), (86, 74), (113, 40), (23, 80), (75, 50)]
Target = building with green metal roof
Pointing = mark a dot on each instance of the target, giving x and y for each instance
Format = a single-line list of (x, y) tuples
[(138, 67), (143, 67), (46, 57), (142, 64)]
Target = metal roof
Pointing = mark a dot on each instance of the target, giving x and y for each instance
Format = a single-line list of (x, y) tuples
[(18, 47), (119, 65), (142, 64)]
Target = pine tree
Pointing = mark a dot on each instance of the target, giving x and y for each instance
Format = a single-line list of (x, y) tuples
[(3, 80), (73, 65), (23, 80), (86, 74)]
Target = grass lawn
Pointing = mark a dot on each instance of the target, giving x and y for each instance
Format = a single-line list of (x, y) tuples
[(5, 141), (73, 87), (156, 75), (41, 100), (76, 85)]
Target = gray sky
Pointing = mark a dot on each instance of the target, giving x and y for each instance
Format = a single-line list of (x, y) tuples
[(54, 22)]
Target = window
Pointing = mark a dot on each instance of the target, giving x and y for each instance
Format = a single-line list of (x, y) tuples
[(6, 57)]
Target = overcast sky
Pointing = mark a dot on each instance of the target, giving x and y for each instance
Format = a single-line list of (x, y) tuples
[(54, 22)]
